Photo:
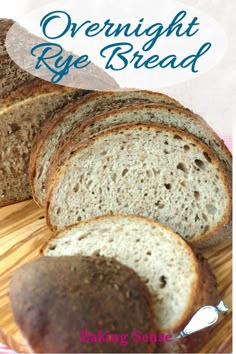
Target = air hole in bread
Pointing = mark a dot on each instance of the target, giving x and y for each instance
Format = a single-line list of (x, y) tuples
[(197, 217), (79, 218), (156, 172), (163, 281), (211, 209), (103, 153), (40, 172), (166, 152), (58, 211), (76, 188), (186, 148), (182, 167), (168, 186), (125, 171), (200, 164), (149, 253), (146, 194), (205, 217), (183, 184), (207, 228), (207, 157), (166, 143), (196, 195), (111, 240), (138, 240), (114, 177), (52, 247), (177, 137), (13, 128)]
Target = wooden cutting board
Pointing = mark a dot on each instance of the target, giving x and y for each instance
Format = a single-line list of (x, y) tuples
[(22, 233)]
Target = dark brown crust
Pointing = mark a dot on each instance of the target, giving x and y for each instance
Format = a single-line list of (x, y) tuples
[(49, 126), (214, 236), (66, 295), (204, 291), (63, 153)]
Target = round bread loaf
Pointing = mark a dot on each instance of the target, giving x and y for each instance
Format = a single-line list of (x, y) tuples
[(59, 302)]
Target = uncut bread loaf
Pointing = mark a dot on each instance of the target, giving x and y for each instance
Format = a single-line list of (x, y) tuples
[(179, 281), (145, 169), (22, 112), (53, 133), (79, 295), (151, 113)]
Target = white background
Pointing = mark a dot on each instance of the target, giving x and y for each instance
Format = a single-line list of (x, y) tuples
[(211, 95)]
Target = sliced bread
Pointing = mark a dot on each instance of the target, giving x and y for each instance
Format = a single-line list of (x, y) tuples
[(151, 113), (145, 169), (71, 298), (53, 133), (178, 281), (22, 112)]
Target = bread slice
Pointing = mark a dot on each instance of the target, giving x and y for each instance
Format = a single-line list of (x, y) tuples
[(178, 281), (79, 295), (145, 169), (170, 116), (54, 133), (22, 112)]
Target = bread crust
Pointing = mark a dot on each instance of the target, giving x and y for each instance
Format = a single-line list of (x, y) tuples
[(212, 236)]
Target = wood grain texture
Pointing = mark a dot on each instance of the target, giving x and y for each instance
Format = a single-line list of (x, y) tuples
[(23, 232)]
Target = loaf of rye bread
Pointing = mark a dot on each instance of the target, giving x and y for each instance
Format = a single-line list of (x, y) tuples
[(68, 296), (179, 279), (53, 133), (22, 112), (151, 113), (145, 169)]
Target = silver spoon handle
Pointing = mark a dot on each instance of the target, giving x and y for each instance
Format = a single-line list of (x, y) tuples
[(205, 317)]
